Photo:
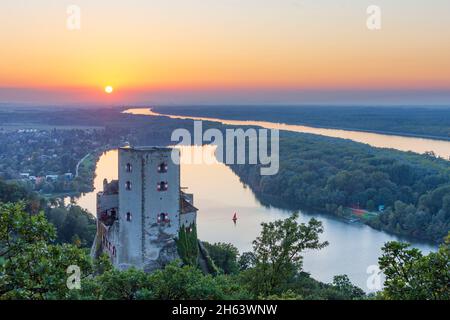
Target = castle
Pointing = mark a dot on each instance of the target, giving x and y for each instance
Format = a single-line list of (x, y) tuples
[(140, 215)]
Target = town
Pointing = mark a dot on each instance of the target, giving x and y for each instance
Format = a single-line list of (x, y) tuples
[(51, 161)]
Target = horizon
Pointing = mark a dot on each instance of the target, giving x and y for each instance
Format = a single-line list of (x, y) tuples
[(226, 52)]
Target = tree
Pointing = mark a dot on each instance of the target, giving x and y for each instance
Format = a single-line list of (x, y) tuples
[(32, 268), (413, 276), (343, 285), (224, 256), (278, 251), (246, 261), (71, 223), (19, 229), (40, 271)]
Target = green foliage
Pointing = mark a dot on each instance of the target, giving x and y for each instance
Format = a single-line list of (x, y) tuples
[(32, 268), (206, 262), (187, 244), (346, 288), (73, 225), (246, 261), (327, 175), (172, 282), (13, 192), (413, 276), (277, 253), (287, 295), (19, 229), (116, 285), (273, 269), (40, 271), (224, 256), (189, 283), (307, 288)]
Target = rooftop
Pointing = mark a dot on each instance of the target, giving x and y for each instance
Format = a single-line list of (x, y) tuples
[(186, 207)]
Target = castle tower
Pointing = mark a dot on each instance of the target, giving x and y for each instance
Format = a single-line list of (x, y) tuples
[(149, 204), (141, 213)]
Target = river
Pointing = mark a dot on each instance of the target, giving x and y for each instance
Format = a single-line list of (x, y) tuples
[(219, 193), (419, 145)]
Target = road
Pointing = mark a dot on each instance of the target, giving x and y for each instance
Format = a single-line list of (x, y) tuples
[(79, 162)]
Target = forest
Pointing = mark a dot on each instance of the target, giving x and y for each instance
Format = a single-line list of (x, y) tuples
[(409, 193), (328, 175), (34, 259), (432, 122)]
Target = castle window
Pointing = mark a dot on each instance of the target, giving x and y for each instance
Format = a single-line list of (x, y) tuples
[(114, 250), (163, 217), (128, 185), (162, 186), (128, 216), (162, 168), (128, 167)]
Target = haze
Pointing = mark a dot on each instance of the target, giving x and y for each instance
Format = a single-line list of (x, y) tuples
[(225, 51)]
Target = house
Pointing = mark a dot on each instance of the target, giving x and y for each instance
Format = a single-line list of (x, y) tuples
[(68, 176), (51, 177)]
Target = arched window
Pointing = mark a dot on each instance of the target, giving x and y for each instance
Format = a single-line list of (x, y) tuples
[(128, 216), (162, 167), (128, 185), (128, 167)]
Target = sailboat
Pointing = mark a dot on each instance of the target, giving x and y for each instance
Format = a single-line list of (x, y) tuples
[(235, 217)]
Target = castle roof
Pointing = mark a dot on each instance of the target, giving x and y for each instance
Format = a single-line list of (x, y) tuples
[(186, 207)]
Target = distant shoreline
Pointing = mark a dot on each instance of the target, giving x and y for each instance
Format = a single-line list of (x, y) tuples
[(389, 133)]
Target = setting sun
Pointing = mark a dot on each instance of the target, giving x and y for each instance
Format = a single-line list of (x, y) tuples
[(109, 89)]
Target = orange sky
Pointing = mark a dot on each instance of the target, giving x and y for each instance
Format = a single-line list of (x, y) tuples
[(159, 45)]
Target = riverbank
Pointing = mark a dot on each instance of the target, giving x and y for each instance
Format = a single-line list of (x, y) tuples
[(229, 115), (273, 201), (439, 148), (219, 193), (85, 176), (324, 173)]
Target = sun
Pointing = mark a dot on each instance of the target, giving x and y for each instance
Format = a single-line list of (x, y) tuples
[(109, 89)]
